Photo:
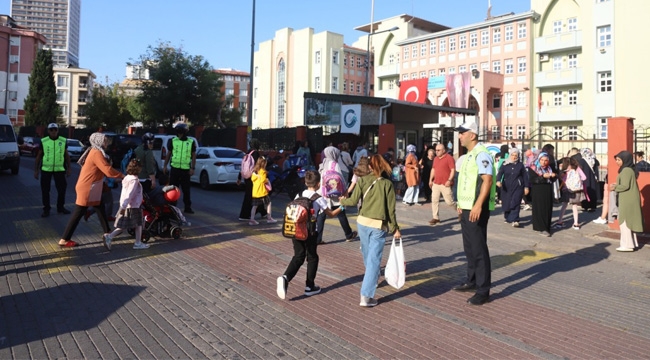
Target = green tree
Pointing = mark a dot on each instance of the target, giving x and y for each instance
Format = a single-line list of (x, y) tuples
[(180, 85), (40, 104), (109, 110)]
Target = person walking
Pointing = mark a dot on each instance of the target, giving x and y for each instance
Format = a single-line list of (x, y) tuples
[(361, 151), (144, 153), (641, 165), (376, 217), (347, 160), (476, 198), (130, 214), (590, 202), (412, 174), (53, 162), (542, 178), (569, 168), (512, 179), (182, 155), (94, 166), (630, 216), (245, 210), (426, 164), (306, 248), (440, 181), (260, 194)]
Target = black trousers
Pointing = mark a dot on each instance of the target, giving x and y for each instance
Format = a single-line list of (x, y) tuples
[(59, 182), (181, 178), (479, 268), (76, 216), (343, 220), (301, 250), (247, 203)]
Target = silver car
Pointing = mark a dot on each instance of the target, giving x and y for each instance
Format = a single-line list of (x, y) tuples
[(75, 149), (216, 165)]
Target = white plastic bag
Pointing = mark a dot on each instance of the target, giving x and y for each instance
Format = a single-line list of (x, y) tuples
[(395, 271)]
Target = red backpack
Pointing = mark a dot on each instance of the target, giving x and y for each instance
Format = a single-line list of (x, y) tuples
[(299, 218), (247, 165)]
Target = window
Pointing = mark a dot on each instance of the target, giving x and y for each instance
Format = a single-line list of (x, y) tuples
[(462, 69), (605, 81), (317, 57), (496, 101), (573, 24), (432, 73), (521, 131), (406, 52), (452, 44), (358, 87), (604, 36), (14, 59), (452, 70), (602, 127), (317, 83), (391, 59), (573, 132), (359, 62), (391, 84), (414, 51), (62, 81), (509, 33), (462, 39), (405, 76), (423, 49), (13, 77), (62, 95), (414, 76), (508, 131), (557, 132), (13, 95), (442, 72), (432, 47), (495, 132), (485, 66), (557, 26), (557, 62), (485, 37), (345, 85), (573, 61), (557, 98), (496, 66), (507, 97), (12, 113), (496, 35), (521, 99), (573, 97), (473, 39), (423, 74), (335, 83), (64, 110), (509, 66), (521, 30), (472, 67), (335, 57), (345, 61), (443, 45), (521, 64)]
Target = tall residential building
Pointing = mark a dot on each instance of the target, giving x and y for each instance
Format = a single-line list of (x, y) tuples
[(22, 46), (57, 20), (74, 88), (236, 87)]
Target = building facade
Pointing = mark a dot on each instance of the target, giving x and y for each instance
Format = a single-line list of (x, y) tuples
[(236, 89), (74, 88), (58, 20), (21, 46)]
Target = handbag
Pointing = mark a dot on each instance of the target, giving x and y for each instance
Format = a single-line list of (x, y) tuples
[(395, 271), (268, 186)]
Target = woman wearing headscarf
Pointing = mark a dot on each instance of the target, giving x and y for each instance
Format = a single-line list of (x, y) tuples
[(94, 166), (427, 165), (630, 217), (331, 157), (513, 182), (542, 178), (412, 172)]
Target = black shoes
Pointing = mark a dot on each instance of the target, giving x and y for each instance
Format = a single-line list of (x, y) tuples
[(63, 211), (352, 236), (478, 299), (45, 213), (465, 287), (188, 211)]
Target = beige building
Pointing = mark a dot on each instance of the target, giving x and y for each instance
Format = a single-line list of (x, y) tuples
[(73, 92)]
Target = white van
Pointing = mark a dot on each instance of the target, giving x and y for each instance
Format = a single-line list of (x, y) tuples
[(9, 154), (160, 148)]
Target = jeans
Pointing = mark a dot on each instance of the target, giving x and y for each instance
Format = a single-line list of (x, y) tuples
[(412, 194), (343, 220), (372, 249)]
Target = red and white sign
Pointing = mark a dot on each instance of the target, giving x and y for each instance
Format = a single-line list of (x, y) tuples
[(414, 90)]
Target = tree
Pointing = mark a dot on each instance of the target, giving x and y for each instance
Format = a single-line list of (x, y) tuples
[(180, 85), (40, 104), (109, 110)]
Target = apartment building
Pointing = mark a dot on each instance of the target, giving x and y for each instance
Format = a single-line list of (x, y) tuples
[(497, 53), (58, 20), (74, 88), (22, 46), (236, 89), (355, 62)]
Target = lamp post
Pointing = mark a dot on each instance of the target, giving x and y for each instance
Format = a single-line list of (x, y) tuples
[(249, 115), (371, 33)]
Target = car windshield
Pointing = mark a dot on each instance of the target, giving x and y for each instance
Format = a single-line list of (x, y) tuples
[(73, 142), (229, 153), (7, 134)]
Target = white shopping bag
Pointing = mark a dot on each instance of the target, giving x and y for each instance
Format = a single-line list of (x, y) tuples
[(395, 272)]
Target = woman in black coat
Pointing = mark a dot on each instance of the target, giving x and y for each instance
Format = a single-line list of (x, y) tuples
[(512, 179), (591, 184), (542, 177)]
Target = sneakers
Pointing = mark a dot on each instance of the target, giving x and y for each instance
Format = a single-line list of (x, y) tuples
[(622, 249), (45, 213), (434, 221), (252, 222), (527, 207), (575, 227), (244, 219), (271, 220), (545, 233), (352, 236), (140, 246), (600, 220), (367, 302), (557, 226), (309, 291), (107, 241), (282, 285), (515, 224)]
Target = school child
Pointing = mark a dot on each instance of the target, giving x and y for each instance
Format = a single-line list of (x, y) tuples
[(261, 186), (398, 178), (307, 248), (575, 198), (130, 213)]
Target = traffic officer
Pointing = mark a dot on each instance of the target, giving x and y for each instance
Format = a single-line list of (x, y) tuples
[(53, 161), (182, 153)]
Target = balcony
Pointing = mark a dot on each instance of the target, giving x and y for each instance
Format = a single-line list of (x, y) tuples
[(560, 113), (82, 100), (387, 70), (564, 77), (559, 42)]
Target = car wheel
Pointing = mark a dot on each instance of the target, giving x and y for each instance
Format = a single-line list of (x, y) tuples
[(14, 170), (204, 180)]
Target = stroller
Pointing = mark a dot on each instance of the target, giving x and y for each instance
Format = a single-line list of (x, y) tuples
[(161, 217)]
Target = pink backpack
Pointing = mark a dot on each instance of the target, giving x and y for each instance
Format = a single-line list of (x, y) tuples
[(247, 165), (332, 184)]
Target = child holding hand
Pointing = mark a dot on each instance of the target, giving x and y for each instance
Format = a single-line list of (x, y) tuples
[(261, 187)]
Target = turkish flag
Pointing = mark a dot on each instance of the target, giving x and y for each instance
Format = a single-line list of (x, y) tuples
[(414, 90)]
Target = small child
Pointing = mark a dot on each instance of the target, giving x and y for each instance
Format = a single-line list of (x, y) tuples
[(398, 178), (130, 213), (566, 196), (261, 187), (307, 248)]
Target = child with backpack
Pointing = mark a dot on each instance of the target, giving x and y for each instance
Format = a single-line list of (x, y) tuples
[(397, 176), (130, 213), (306, 248), (571, 191), (261, 187), (333, 186)]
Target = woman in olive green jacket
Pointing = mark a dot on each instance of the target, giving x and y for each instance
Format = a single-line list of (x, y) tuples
[(630, 217)]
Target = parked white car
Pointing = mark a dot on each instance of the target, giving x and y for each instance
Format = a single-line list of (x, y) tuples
[(160, 148), (217, 165), (75, 149)]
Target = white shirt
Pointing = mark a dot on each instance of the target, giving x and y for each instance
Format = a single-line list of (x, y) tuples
[(131, 196)]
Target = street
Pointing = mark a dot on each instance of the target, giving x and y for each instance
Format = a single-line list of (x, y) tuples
[(211, 294)]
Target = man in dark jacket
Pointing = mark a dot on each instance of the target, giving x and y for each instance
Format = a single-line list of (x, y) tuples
[(590, 182)]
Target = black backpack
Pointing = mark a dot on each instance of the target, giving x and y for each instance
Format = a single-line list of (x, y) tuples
[(299, 218)]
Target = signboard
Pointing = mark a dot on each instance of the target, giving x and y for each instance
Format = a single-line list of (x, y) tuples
[(351, 119), (322, 112)]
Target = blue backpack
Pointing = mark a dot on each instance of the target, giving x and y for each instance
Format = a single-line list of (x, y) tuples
[(130, 155)]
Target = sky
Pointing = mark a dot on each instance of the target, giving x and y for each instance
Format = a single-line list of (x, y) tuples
[(115, 32)]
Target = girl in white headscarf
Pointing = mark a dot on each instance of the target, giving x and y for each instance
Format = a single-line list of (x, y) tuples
[(412, 174)]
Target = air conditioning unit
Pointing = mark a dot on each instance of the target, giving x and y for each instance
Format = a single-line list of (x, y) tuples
[(543, 57)]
